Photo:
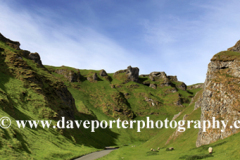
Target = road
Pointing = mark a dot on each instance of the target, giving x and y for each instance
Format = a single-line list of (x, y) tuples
[(96, 155)]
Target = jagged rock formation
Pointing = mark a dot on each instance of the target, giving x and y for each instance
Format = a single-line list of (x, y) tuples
[(129, 74), (160, 79), (52, 90), (160, 76), (70, 75), (172, 78), (220, 98), (13, 44), (93, 77), (103, 73), (154, 76), (32, 56), (236, 47), (178, 102), (16, 45), (195, 86), (133, 73), (182, 86)]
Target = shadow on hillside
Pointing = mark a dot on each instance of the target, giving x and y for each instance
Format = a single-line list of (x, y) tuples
[(58, 102), (59, 99), (142, 79)]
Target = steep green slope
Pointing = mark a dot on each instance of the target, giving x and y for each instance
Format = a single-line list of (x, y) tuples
[(113, 97), (184, 144), (30, 92)]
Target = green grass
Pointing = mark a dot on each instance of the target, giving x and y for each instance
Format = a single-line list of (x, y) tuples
[(184, 145), (226, 56), (30, 92)]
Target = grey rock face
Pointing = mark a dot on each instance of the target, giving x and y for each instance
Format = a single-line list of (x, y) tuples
[(154, 76), (195, 86), (95, 77), (182, 86), (103, 73), (133, 73), (36, 58), (172, 78), (32, 56), (220, 99), (198, 103), (236, 47), (16, 45), (160, 76), (13, 44), (179, 101), (70, 75)]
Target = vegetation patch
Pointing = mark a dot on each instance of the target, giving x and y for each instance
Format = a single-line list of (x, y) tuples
[(226, 56)]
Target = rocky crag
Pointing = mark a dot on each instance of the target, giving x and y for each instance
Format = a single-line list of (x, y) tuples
[(220, 97), (13, 63)]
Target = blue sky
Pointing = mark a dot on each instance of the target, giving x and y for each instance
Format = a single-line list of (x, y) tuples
[(176, 36)]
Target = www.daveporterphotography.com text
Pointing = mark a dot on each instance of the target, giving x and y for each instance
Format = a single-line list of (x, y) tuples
[(181, 125)]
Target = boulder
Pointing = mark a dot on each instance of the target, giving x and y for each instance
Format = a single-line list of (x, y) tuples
[(133, 73), (103, 73), (155, 76)]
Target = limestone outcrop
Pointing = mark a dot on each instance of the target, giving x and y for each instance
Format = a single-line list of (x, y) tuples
[(129, 74), (220, 97), (71, 76), (182, 86), (16, 45), (13, 44), (133, 73), (195, 86), (103, 73), (236, 47)]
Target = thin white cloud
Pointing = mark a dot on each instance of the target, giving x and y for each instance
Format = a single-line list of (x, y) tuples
[(72, 45), (177, 44), (187, 45)]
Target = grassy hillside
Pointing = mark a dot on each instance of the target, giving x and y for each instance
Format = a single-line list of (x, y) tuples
[(184, 144), (29, 91), (105, 102)]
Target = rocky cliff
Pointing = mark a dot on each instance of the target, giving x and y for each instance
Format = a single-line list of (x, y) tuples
[(220, 97), (10, 43), (129, 74), (16, 45), (16, 62)]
